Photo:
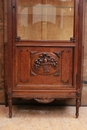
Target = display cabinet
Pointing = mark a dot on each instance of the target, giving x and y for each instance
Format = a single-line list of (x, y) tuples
[(43, 52)]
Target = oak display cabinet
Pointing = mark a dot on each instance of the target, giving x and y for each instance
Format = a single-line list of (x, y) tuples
[(43, 53)]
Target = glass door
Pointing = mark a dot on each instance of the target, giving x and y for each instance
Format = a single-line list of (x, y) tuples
[(45, 19)]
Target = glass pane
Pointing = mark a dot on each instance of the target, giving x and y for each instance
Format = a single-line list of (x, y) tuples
[(45, 19)]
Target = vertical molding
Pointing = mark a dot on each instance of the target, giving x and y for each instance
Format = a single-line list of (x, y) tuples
[(1, 46), (9, 49), (80, 45)]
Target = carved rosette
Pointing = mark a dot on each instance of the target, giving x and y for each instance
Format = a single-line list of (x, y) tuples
[(44, 63)]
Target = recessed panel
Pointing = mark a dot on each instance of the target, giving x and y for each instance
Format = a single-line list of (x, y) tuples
[(47, 68)]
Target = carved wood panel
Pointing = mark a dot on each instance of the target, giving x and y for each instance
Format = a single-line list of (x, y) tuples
[(47, 68), (44, 63)]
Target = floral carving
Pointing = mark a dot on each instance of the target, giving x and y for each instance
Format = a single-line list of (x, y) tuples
[(45, 61)]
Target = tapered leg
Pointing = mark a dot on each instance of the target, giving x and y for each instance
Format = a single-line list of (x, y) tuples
[(78, 103), (6, 99), (77, 107), (10, 106)]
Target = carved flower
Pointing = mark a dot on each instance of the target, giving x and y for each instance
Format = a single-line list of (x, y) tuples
[(45, 61)]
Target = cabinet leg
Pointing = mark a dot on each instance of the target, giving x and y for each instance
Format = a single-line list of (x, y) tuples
[(77, 107), (6, 99), (80, 102), (10, 107)]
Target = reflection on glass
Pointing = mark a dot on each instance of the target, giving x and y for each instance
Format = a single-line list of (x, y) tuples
[(45, 19)]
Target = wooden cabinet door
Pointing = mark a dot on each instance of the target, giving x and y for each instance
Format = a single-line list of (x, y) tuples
[(45, 45)]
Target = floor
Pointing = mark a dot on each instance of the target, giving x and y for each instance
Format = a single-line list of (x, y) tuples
[(43, 118)]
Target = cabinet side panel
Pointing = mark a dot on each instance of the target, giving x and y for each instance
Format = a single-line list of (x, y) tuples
[(8, 57)]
